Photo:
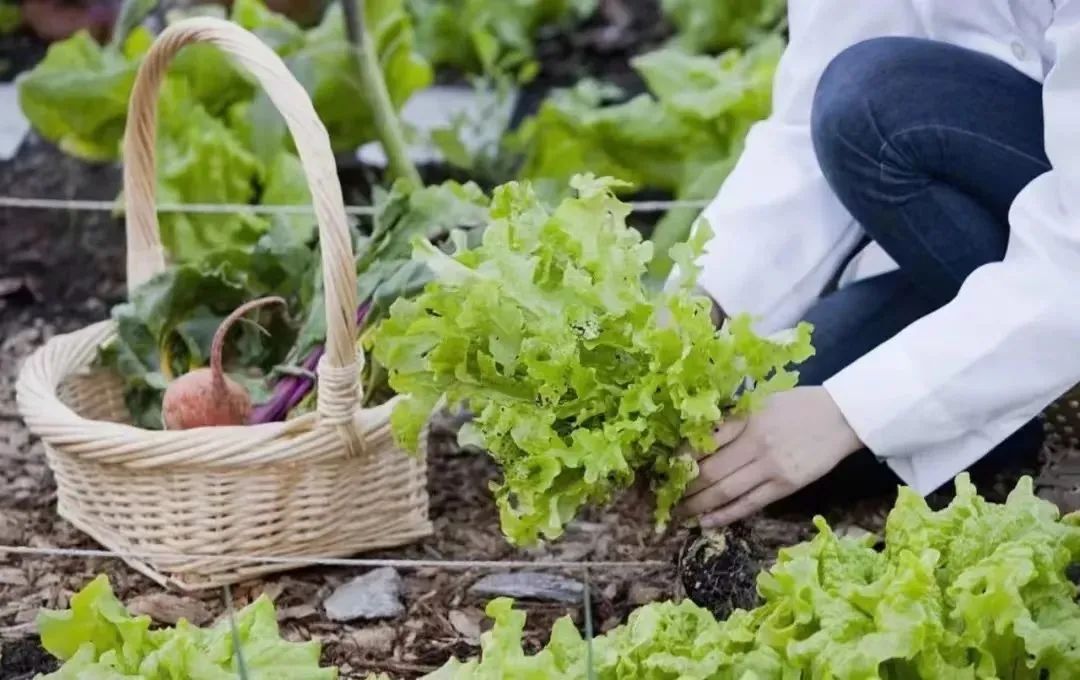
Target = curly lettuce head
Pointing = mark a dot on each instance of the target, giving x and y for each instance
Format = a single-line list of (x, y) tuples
[(976, 591), (547, 333)]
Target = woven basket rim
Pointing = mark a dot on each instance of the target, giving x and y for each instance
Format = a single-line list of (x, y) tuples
[(50, 418)]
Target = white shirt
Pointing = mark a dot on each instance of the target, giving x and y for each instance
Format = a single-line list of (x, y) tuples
[(946, 390)]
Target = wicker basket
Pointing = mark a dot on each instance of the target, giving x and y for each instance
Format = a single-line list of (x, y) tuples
[(329, 483)]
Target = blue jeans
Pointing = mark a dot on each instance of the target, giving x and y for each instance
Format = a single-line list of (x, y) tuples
[(926, 144)]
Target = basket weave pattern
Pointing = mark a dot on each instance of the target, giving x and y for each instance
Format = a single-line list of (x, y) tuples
[(326, 484)]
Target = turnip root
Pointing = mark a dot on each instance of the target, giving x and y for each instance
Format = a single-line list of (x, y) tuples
[(206, 396)]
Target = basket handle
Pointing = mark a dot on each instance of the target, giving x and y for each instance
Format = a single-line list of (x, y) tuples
[(339, 388)]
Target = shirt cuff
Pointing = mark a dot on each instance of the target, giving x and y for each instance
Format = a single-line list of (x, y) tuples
[(891, 408), (773, 302)]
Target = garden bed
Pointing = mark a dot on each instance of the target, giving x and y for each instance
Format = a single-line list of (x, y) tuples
[(60, 270), (65, 270)]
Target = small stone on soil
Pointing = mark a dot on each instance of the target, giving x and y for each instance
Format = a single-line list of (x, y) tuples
[(375, 641), (524, 585), (375, 595), (467, 623), (640, 594), (10, 576), (169, 609)]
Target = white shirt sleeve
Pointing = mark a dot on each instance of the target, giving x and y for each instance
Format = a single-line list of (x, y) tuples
[(780, 233), (941, 394)]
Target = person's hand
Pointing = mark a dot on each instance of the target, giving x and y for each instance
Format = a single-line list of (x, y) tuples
[(794, 440)]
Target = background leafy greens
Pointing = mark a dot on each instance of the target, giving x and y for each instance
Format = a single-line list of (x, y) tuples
[(490, 38), (714, 25), (220, 141), (682, 138)]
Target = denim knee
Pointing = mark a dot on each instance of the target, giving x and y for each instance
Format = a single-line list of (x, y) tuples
[(871, 74)]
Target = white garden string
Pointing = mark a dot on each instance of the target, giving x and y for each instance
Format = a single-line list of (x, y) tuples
[(78, 205), (301, 561)]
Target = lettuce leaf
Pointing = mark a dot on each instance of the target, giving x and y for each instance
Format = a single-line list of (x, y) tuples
[(714, 25), (490, 38), (202, 160), (681, 138), (977, 590), (97, 639), (546, 332), (77, 96)]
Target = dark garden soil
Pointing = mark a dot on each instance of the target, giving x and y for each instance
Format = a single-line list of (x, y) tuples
[(23, 659), (60, 271)]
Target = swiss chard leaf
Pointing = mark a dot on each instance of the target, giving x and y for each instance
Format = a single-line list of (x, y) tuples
[(166, 327), (384, 266)]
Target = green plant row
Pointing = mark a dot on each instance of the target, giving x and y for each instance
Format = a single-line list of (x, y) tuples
[(975, 591)]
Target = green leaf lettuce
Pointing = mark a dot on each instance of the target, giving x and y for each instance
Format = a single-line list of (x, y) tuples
[(975, 591), (546, 332), (97, 639), (714, 25)]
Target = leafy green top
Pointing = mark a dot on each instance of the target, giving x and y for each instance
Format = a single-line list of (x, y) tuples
[(98, 639), (547, 333), (978, 590), (165, 328)]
